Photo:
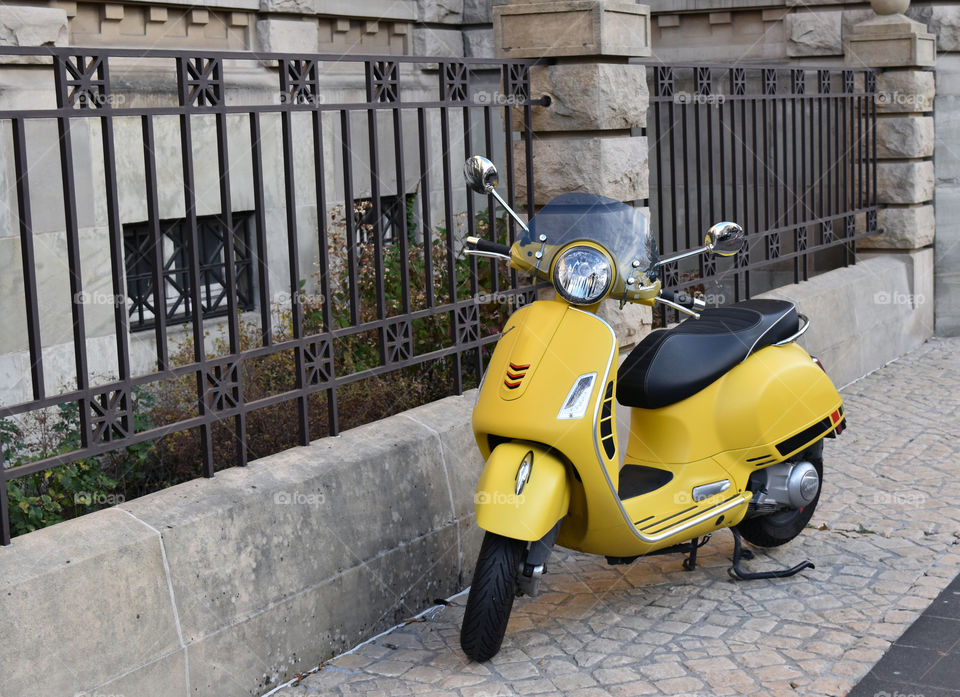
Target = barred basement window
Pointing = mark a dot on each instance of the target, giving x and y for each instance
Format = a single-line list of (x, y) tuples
[(393, 210), (176, 298)]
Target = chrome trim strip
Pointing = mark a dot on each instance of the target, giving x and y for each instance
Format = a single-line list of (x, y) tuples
[(800, 332), (669, 532)]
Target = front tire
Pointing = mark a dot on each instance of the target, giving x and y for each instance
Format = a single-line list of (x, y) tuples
[(491, 596), (779, 528)]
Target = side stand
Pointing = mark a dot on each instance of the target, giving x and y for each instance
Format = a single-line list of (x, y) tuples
[(740, 553)]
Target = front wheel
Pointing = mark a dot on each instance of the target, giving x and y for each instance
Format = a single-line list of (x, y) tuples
[(781, 527), (491, 596)]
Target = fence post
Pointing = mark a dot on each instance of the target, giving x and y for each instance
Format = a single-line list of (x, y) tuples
[(588, 137), (903, 51)]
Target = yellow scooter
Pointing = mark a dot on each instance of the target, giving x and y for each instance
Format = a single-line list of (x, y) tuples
[(728, 413)]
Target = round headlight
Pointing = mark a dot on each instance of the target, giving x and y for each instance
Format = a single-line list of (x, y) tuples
[(582, 275)]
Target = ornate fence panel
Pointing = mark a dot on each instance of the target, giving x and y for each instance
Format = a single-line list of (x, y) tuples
[(187, 223), (789, 152)]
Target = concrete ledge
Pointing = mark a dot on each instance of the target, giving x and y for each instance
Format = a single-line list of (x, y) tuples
[(233, 584), (227, 586), (866, 315)]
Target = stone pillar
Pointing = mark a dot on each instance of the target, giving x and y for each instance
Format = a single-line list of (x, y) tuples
[(901, 49), (583, 139)]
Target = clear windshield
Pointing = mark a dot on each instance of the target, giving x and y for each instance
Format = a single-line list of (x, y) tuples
[(620, 229)]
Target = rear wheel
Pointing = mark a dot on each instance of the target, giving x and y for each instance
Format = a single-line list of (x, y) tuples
[(491, 596), (781, 527)]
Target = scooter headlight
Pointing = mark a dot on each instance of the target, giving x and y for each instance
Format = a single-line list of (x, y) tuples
[(582, 275)]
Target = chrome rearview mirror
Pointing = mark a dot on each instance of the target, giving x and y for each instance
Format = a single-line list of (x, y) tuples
[(725, 239), (481, 174)]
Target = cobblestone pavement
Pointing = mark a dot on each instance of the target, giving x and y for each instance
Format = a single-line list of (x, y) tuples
[(883, 539)]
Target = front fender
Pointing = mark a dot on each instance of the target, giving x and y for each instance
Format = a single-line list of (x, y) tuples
[(543, 501)]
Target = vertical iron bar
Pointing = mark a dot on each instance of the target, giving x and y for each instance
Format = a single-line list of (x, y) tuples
[(686, 178), (71, 226), (260, 222), (4, 508), (293, 257), (674, 231), (156, 238), (374, 155), (351, 237), (491, 206), (402, 196), (425, 205), (28, 260), (230, 276), (451, 262), (323, 259), (115, 231), (511, 191), (195, 307)]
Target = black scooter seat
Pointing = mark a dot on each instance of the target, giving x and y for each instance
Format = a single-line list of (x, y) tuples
[(672, 364)]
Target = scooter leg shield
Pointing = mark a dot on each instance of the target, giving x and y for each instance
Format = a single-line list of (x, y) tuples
[(523, 491)]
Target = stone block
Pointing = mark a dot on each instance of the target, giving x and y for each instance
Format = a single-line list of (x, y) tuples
[(884, 302), (610, 166), (905, 182), (21, 25), (303, 629), (815, 33), (82, 603), (909, 227), (890, 41), (947, 260), (257, 527), (436, 42), (588, 96), (630, 323), (478, 43), (905, 137), (283, 35), (440, 11), (572, 28), (946, 154), (901, 91), (290, 7), (943, 22)]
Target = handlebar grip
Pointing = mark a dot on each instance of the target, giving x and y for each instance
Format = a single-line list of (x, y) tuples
[(482, 245), (681, 299)]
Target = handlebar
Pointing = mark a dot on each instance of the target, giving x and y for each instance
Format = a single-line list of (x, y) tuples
[(683, 299), (478, 245)]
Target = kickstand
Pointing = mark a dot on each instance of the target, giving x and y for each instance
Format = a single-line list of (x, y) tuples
[(690, 563), (740, 553)]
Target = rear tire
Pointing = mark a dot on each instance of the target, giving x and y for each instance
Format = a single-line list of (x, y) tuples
[(491, 596), (779, 528)]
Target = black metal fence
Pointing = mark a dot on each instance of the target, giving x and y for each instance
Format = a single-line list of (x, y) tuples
[(391, 157), (787, 151)]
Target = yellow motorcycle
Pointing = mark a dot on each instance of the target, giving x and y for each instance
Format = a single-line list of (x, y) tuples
[(728, 413)]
